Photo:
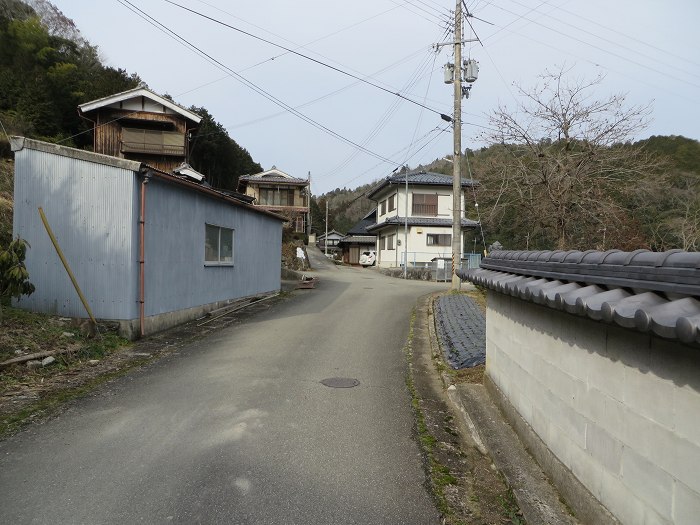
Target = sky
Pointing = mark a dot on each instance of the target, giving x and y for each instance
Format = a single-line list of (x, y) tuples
[(306, 114)]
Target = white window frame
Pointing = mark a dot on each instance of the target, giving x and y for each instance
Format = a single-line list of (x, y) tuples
[(434, 239), (222, 230)]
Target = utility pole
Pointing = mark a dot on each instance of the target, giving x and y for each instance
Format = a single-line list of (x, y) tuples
[(308, 202), (453, 74), (457, 154), (325, 241)]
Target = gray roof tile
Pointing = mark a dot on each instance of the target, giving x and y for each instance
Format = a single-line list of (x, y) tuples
[(418, 178), (420, 221), (656, 292)]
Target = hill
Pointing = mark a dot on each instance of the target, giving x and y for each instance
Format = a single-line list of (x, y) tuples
[(47, 69)]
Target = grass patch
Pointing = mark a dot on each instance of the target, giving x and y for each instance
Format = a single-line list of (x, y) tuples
[(48, 405), (6, 200), (439, 475), (511, 509), (24, 333)]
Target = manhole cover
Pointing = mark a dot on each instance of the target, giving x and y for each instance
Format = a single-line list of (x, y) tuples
[(340, 382)]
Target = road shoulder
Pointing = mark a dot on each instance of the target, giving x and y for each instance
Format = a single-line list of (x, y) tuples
[(465, 484)]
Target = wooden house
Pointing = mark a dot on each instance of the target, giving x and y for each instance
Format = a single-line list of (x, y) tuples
[(278, 192), (142, 126)]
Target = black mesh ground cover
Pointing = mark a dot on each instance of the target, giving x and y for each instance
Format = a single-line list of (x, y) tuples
[(461, 328)]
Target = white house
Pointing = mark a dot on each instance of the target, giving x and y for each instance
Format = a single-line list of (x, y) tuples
[(418, 214)]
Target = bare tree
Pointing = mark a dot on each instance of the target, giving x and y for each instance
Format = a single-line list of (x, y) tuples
[(565, 165), (678, 226)]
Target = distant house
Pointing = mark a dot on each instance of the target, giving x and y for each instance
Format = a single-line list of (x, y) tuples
[(149, 248), (142, 126), (329, 242), (279, 192), (427, 208), (358, 239)]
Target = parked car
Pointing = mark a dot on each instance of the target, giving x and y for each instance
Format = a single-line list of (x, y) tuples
[(368, 258)]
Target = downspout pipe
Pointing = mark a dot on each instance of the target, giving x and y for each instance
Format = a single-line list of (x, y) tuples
[(142, 253)]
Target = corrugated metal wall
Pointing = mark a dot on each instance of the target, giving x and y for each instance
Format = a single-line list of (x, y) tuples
[(92, 209), (176, 277)]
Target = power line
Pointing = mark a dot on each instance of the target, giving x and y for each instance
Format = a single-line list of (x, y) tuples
[(606, 39), (645, 66), (363, 80), (385, 118), (327, 95), (617, 32), (250, 84), (438, 16)]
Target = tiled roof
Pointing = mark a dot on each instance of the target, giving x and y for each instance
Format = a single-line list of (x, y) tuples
[(139, 91), (647, 291), (358, 239), (291, 181), (418, 178), (420, 221), (361, 227)]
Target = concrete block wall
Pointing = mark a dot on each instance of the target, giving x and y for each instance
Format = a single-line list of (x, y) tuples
[(620, 409)]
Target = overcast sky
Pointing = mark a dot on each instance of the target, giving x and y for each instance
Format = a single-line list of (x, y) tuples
[(646, 48)]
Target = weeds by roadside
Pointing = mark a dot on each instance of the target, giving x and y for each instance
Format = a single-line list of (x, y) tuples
[(29, 390), (464, 483), (439, 474)]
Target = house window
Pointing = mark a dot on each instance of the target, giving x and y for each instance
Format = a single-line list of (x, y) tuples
[(392, 203), (276, 197), (438, 239), (382, 243), (218, 245), (390, 242), (382, 208), (425, 204), (153, 141)]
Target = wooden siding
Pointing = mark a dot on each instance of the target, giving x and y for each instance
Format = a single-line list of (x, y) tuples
[(108, 135)]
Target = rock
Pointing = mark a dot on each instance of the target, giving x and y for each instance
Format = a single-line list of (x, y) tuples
[(67, 334), (93, 362), (48, 361), (452, 388), (18, 352), (33, 364)]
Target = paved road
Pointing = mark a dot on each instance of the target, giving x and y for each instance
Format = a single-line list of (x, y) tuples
[(238, 429)]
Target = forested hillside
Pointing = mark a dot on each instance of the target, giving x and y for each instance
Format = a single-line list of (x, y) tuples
[(47, 69)]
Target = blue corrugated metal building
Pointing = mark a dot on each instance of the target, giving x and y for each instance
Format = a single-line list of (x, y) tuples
[(202, 249)]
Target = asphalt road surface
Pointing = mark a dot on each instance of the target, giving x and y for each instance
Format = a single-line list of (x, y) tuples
[(238, 428)]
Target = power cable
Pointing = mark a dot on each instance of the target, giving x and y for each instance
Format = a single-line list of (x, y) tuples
[(437, 129), (645, 66), (249, 84), (606, 39), (307, 57), (430, 13), (384, 119), (476, 203), (328, 95), (617, 32)]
